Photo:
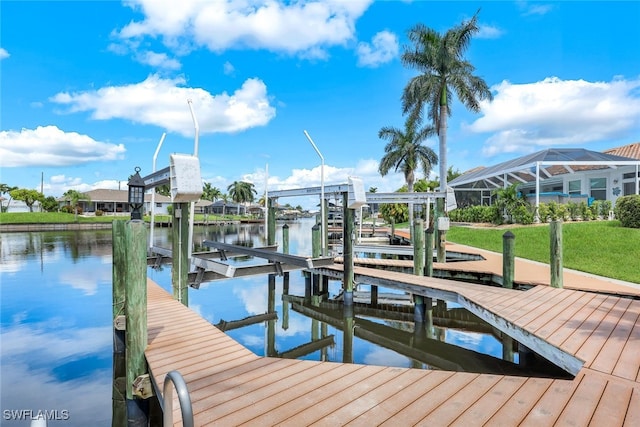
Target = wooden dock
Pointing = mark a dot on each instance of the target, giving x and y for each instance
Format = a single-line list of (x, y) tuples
[(598, 335)]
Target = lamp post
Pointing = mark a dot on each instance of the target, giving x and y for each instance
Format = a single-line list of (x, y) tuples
[(136, 195), (322, 223)]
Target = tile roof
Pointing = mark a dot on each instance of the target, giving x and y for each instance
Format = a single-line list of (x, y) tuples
[(629, 150)]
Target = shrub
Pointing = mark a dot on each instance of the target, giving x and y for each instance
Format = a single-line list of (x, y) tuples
[(627, 210), (170, 210), (71, 209), (99, 212), (605, 208), (544, 211), (522, 215), (573, 210), (585, 212), (595, 209)]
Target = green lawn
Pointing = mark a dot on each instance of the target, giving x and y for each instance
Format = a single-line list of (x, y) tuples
[(598, 247)]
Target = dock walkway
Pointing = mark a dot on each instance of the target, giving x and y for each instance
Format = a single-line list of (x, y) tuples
[(229, 385)]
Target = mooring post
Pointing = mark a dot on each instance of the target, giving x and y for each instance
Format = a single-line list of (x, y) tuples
[(555, 231), (135, 234), (418, 267), (285, 302), (428, 238), (271, 324), (325, 221), (118, 394), (441, 235), (507, 348), (393, 231), (374, 295), (285, 239), (119, 262), (347, 237), (271, 223), (508, 259), (180, 251)]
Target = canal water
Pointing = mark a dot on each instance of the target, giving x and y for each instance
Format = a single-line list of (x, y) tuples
[(56, 326)]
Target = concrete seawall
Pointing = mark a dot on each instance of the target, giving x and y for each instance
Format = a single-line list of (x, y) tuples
[(6, 228)]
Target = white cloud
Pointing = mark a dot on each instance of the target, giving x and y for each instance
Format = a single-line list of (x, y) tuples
[(302, 27), (534, 9), (158, 60), (163, 102), (383, 48), (489, 32), (228, 68), (554, 112), (4, 54), (50, 146), (59, 184)]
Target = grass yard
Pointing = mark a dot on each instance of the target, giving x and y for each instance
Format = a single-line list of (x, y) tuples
[(598, 247)]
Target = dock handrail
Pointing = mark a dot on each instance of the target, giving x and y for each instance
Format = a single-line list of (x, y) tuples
[(183, 398)]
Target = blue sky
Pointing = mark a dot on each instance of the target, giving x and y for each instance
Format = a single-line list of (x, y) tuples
[(88, 87)]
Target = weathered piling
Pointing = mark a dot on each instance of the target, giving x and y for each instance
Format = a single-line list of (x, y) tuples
[(271, 223), (428, 243), (441, 235), (555, 232), (179, 245), (347, 237), (508, 259), (285, 239), (118, 394), (419, 313), (135, 234)]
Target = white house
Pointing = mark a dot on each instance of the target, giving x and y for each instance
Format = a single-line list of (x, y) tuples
[(561, 175)]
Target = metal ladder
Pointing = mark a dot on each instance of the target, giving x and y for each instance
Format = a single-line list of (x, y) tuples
[(183, 397)]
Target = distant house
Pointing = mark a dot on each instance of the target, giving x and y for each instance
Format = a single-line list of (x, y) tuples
[(220, 207), (12, 205), (556, 174), (115, 202)]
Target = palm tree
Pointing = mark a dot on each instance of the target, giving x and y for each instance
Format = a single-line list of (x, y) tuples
[(405, 152), (443, 70), (241, 192), (225, 199), (210, 193)]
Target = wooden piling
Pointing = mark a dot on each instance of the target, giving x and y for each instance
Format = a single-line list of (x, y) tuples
[(285, 239), (441, 235), (271, 223), (119, 260), (135, 302), (180, 246), (555, 263), (508, 259), (418, 247), (347, 237), (118, 393), (428, 238)]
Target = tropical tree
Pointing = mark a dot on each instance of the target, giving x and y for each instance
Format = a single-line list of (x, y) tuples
[(443, 70), (225, 199), (28, 196), (210, 193), (241, 192), (74, 197), (6, 189), (50, 204), (163, 190), (404, 152)]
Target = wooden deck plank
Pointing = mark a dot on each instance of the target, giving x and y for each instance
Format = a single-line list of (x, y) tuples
[(628, 364), (551, 327), (397, 403), (430, 400), (632, 417), (613, 404), (600, 335), (532, 307), (577, 329), (580, 408), (609, 354), (447, 412), (317, 378), (349, 412), (547, 410), (514, 411), (310, 407), (490, 402), (567, 299)]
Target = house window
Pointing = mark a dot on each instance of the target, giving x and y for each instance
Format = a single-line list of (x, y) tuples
[(598, 188), (575, 187), (629, 188), (158, 205)]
